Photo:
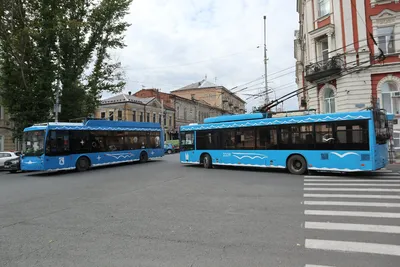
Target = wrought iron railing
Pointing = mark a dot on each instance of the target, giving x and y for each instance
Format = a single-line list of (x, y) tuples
[(323, 68)]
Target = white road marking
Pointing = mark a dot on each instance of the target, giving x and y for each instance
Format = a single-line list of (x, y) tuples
[(352, 196), (351, 189), (346, 246), (354, 180), (345, 203), (345, 184), (352, 213), (383, 171), (313, 265), (386, 175), (391, 229)]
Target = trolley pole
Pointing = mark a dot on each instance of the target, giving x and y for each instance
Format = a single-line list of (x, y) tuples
[(265, 61)]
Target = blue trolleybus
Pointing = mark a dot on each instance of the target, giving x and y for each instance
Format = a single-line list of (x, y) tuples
[(344, 142), (67, 146)]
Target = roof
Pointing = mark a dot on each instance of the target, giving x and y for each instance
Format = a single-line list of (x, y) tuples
[(127, 98), (223, 122), (202, 84), (201, 102), (98, 125)]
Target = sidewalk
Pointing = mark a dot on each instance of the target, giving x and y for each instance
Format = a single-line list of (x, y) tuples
[(393, 167)]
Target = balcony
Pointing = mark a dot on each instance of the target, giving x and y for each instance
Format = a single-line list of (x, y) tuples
[(323, 69)]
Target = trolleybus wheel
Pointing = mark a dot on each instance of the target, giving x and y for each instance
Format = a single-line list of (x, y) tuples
[(207, 162), (144, 157), (83, 164), (296, 164)]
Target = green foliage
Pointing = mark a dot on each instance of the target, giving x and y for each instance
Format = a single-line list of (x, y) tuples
[(42, 41)]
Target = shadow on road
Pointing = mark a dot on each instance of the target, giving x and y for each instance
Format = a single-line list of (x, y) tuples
[(95, 169), (311, 173)]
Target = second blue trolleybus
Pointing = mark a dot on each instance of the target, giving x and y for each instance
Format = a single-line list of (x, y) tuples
[(345, 142)]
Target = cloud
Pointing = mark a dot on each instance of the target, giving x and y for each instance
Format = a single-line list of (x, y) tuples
[(172, 43)]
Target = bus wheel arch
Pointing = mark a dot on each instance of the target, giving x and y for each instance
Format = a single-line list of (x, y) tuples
[(144, 157), (206, 160), (83, 163), (296, 164)]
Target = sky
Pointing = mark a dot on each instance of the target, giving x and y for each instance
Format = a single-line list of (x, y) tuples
[(173, 43)]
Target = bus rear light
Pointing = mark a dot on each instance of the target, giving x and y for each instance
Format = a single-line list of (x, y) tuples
[(363, 164)]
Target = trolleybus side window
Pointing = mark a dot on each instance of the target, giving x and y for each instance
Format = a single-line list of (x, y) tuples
[(245, 138), (210, 139), (324, 136), (352, 135), (187, 141), (154, 140), (80, 142), (58, 143), (98, 141), (266, 138)]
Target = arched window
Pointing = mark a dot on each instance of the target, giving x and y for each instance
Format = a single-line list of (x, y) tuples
[(329, 100), (390, 97)]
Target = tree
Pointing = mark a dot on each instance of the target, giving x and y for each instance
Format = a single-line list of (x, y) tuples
[(47, 45)]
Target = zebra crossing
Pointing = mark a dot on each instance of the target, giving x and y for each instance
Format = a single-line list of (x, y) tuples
[(352, 214)]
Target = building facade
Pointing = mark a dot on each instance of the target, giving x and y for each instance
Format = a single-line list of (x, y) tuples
[(186, 110), (337, 61), (126, 107), (6, 132), (214, 95)]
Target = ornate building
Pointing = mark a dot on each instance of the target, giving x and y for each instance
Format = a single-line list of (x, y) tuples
[(337, 60)]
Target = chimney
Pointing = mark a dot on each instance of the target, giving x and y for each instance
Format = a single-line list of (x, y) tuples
[(129, 93)]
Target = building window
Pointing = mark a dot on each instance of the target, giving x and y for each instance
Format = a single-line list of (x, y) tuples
[(177, 111), (396, 144), (391, 97), (170, 121), (323, 49), (185, 114), (120, 115), (329, 101), (103, 115), (386, 39), (134, 115), (141, 117), (165, 120), (154, 117), (148, 117), (159, 118), (324, 7), (111, 115)]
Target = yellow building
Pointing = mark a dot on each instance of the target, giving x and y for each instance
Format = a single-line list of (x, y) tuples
[(214, 95), (126, 107)]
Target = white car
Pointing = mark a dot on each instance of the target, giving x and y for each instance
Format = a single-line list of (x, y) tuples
[(6, 155)]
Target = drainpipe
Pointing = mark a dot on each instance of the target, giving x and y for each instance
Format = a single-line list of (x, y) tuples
[(144, 113)]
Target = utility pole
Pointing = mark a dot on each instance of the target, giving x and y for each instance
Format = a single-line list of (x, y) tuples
[(57, 107), (162, 118), (265, 60)]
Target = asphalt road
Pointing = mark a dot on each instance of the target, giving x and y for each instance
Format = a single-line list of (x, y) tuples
[(165, 214)]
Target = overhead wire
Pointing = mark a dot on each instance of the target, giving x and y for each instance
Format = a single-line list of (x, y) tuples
[(305, 89)]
